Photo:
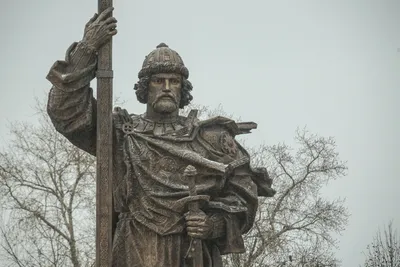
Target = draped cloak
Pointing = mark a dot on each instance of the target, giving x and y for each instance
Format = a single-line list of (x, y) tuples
[(149, 189)]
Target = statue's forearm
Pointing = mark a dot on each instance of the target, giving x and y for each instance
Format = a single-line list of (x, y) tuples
[(71, 105)]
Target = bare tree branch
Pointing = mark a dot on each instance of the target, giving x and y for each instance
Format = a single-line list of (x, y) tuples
[(384, 249), (46, 186)]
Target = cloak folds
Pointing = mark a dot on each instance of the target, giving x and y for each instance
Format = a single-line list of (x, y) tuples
[(151, 193)]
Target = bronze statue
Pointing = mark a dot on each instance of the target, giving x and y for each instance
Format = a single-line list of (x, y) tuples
[(183, 189)]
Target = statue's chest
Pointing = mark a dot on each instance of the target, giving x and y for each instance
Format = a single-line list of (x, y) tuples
[(161, 159), (166, 166)]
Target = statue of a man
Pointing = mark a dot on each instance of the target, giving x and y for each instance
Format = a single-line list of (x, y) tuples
[(152, 151)]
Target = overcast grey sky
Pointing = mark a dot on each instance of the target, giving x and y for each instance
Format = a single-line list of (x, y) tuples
[(331, 65)]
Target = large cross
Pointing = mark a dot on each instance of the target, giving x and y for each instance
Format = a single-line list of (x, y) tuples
[(104, 208)]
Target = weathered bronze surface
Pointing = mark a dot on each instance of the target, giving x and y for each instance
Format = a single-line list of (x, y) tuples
[(104, 172), (183, 189)]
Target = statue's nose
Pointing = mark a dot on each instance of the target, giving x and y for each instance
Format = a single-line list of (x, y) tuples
[(166, 85)]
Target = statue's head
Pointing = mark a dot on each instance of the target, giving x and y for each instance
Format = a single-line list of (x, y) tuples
[(163, 81)]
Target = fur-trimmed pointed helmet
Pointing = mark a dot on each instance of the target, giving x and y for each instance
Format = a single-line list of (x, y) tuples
[(163, 60)]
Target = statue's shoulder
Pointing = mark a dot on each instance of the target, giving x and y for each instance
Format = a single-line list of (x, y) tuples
[(220, 124), (119, 112), (214, 125), (121, 116), (220, 133)]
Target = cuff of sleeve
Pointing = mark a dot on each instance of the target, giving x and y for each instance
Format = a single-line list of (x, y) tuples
[(77, 70), (219, 226), (231, 241), (80, 55), (67, 81)]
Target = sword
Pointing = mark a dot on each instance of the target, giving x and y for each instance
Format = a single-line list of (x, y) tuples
[(195, 252)]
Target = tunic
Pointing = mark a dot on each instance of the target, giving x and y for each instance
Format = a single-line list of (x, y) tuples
[(150, 192)]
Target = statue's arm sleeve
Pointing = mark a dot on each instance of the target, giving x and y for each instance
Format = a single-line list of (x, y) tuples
[(241, 194), (236, 205), (71, 105)]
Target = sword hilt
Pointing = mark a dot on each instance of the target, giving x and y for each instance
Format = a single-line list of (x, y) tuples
[(190, 174)]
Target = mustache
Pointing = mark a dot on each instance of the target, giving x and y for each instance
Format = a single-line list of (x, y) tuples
[(171, 96)]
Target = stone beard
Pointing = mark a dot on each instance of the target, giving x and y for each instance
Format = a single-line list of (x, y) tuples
[(151, 152), (165, 104)]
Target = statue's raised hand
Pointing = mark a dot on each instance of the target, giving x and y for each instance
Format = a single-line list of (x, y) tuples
[(100, 29)]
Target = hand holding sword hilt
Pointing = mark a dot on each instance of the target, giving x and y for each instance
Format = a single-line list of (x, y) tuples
[(197, 222)]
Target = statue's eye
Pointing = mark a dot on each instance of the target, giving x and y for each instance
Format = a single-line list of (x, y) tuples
[(157, 80), (175, 81)]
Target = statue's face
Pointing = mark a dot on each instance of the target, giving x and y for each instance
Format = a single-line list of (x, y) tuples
[(165, 92)]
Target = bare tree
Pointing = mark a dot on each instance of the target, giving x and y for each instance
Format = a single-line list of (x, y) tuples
[(295, 227), (47, 199), (384, 251)]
